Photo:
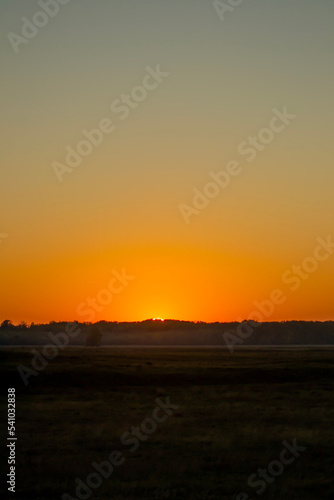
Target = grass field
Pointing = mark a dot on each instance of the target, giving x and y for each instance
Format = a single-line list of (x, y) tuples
[(234, 412)]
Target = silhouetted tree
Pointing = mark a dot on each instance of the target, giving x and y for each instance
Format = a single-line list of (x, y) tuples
[(7, 324)]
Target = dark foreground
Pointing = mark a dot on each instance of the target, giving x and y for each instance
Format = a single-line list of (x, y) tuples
[(234, 413)]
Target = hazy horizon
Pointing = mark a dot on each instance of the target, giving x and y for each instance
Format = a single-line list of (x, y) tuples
[(160, 320)]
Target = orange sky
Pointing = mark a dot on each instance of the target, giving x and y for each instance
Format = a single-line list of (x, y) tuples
[(120, 207)]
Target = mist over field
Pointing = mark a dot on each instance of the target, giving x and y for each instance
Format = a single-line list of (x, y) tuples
[(171, 333)]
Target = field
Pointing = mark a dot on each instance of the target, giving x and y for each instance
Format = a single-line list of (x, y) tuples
[(234, 411)]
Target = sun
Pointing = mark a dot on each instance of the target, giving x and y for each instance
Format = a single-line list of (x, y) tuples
[(158, 319)]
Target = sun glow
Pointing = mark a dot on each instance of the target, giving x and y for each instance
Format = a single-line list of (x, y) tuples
[(158, 319)]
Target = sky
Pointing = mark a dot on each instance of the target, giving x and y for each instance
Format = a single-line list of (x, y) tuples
[(186, 91)]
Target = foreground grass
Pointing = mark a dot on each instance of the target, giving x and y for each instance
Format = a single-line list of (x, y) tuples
[(234, 412)]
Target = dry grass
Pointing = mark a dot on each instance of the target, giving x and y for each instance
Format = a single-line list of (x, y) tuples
[(234, 412)]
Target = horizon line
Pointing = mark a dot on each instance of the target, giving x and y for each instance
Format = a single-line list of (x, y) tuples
[(162, 320)]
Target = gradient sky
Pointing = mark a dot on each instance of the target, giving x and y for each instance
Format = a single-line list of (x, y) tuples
[(120, 207)]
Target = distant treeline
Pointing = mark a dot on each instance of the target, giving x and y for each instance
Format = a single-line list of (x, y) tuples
[(174, 332)]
